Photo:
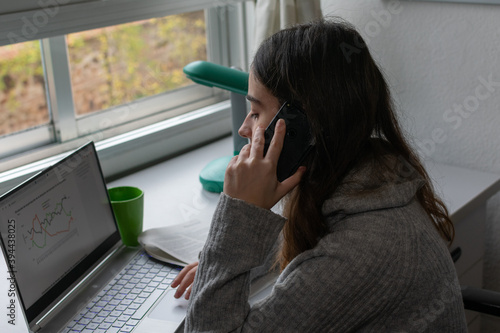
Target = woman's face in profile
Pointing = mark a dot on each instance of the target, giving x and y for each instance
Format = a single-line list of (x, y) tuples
[(263, 107)]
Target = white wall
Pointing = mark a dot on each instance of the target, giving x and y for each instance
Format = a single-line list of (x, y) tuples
[(437, 58)]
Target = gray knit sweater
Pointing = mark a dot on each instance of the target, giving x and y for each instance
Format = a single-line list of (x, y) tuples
[(381, 268)]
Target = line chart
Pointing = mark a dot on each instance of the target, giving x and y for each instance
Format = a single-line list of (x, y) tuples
[(55, 222)]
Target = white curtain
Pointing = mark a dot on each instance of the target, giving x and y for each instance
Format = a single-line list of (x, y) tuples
[(274, 15)]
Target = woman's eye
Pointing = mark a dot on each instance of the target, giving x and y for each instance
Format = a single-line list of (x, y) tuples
[(254, 116)]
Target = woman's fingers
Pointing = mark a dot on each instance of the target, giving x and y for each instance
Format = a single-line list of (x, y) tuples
[(188, 292), (252, 176), (183, 273), (184, 280), (289, 184), (186, 284), (245, 151), (258, 140), (276, 145)]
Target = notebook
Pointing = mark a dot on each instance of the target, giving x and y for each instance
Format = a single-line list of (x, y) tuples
[(64, 252)]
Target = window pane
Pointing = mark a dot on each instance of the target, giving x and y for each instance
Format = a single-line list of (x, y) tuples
[(119, 64), (23, 102)]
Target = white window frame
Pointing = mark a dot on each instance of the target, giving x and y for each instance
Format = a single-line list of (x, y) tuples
[(118, 144)]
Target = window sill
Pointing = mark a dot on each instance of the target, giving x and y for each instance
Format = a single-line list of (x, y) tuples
[(138, 148)]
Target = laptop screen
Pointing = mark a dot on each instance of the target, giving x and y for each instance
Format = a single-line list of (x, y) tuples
[(54, 227)]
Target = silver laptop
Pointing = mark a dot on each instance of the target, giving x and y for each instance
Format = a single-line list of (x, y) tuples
[(71, 270)]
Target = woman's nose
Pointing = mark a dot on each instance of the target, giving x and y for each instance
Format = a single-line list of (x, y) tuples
[(245, 130)]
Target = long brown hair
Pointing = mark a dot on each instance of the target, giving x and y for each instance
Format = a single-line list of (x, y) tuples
[(325, 67)]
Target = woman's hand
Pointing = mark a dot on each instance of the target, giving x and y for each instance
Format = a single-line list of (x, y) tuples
[(251, 176), (184, 280)]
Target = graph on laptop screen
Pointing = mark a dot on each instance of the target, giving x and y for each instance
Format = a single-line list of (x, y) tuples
[(61, 216)]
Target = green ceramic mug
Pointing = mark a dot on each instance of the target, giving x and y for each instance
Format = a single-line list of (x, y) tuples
[(128, 206)]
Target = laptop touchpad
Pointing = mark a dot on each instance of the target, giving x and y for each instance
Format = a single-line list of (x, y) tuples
[(170, 308)]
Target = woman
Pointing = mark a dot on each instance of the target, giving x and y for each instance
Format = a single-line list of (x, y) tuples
[(362, 239)]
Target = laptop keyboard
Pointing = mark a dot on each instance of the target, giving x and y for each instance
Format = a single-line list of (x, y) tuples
[(125, 300)]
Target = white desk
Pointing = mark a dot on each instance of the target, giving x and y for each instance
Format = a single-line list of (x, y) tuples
[(174, 195)]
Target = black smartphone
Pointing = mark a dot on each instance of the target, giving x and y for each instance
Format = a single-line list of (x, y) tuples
[(298, 139)]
